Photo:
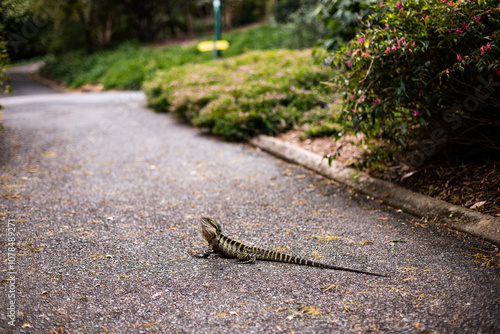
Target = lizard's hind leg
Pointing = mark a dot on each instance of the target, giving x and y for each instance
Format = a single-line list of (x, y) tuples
[(246, 258)]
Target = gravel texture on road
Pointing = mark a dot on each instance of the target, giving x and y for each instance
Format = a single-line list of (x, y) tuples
[(425, 207), (106, 195)]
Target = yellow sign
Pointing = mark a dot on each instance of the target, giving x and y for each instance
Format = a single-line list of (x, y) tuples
[(209, 46)]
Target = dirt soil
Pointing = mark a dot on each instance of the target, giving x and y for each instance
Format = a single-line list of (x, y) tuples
[(474, 184)]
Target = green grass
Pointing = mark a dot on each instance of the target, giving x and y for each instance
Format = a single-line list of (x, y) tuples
[(257, 92), (128, 66)]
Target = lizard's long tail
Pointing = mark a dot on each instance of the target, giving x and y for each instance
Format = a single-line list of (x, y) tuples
[(327, 266), (280, 257)]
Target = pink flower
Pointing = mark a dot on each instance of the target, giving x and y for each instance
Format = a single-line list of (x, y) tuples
[(387, 27), (482, 50), (360, 40), (447, 71), (413, 44), (477, 18), (399, 5), (488, 46), (394, 48), (349, 64), (459, 57), (399, 41), (381, 4), (388, 50), (416, 113), (366, 53), (459, 31)]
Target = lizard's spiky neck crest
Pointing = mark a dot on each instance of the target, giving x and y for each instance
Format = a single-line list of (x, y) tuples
[(209, 228)]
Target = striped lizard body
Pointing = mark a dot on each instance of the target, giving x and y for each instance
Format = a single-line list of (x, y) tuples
[(226, 247)]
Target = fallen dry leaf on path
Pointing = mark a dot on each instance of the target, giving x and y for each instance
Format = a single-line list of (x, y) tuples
[(326, 237), (310, 310), (477, 205)]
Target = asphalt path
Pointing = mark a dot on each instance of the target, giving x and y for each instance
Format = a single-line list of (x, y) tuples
[(101, 199)]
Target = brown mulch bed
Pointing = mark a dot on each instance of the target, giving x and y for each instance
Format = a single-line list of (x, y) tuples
[(474, 184), (461, 179)]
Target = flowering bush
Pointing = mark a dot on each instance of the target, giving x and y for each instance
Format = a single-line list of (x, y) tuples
[(236, 98), (424, 73)]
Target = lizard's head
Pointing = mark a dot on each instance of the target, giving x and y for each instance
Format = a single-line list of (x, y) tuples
[(209, 228)]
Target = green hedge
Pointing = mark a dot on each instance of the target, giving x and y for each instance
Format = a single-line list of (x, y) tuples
[(236, 98)]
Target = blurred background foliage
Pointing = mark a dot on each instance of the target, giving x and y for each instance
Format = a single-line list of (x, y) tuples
[(37, 27), (34, 28), (391, 94)]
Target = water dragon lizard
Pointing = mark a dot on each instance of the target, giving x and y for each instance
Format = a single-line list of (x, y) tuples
[(226, 247)]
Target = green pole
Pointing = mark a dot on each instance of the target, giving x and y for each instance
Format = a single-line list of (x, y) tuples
[(217, 27)]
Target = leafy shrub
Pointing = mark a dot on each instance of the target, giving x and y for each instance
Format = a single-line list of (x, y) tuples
[(4, 58), (342, 19), (258, 92), (423, 74), (246, 12), (281, 11), (307, 29), (301, 17)]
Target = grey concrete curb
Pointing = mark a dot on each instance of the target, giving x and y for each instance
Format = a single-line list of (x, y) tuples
[(416, 204)]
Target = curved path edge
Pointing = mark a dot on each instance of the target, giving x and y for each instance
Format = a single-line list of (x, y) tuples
[(416, 204)]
